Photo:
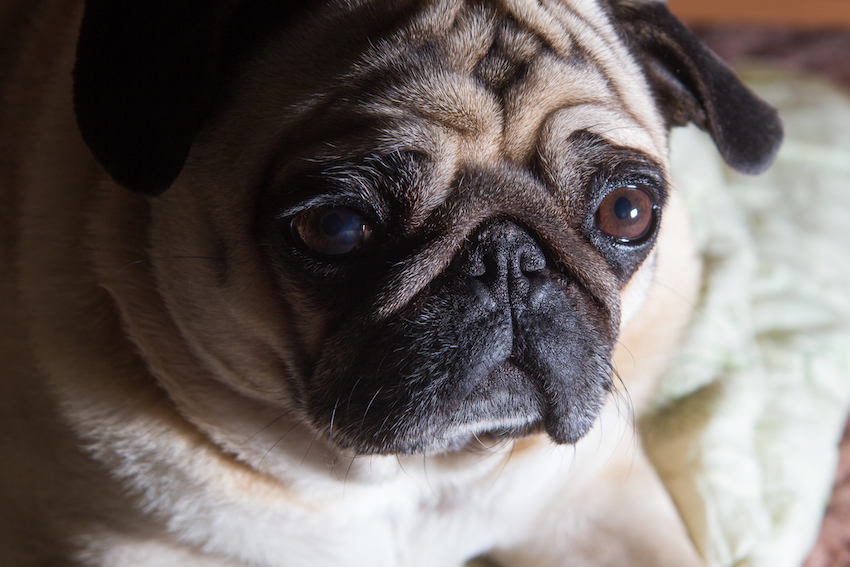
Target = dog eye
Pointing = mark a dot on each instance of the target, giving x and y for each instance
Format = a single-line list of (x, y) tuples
[(331, 231), (626, 213)]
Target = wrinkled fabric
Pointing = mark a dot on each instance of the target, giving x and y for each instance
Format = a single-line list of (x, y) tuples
[(745, 428)]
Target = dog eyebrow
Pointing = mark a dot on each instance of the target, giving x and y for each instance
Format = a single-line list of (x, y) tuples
[(575, 167), (535, 65)]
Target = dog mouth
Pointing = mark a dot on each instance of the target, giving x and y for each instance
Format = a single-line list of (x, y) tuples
[(393, 395), (506, 404), (415, 387), (512, 402), (509, 400)]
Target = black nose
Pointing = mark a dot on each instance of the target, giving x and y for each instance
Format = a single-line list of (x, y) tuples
[(505, 258)]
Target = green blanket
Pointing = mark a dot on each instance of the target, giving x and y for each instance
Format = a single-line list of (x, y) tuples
[(747, 423)]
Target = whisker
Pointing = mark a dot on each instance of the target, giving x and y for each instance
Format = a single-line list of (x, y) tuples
[(621, 394), (365, 413), (401, 465), (625, 348), (272, 422), (504, 465), (279, 439), (348, 470), (331, 438), (308, 448), (693, 305)]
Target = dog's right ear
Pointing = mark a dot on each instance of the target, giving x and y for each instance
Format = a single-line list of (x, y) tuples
[(148, 72)]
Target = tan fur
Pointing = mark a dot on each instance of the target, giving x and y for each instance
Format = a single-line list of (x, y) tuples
[(143, 418)]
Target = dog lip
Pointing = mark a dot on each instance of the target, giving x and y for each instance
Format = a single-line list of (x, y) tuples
[(516, 404), (500, 395), (488, 434)]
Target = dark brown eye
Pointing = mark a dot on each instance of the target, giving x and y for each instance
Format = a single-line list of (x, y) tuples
[(626, 213), (331, 231)]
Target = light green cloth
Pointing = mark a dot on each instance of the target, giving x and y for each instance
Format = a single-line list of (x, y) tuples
[(750, 413)]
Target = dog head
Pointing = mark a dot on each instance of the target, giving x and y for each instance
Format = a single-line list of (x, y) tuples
[(416, 222)]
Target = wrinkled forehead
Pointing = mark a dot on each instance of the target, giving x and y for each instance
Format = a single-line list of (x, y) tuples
[(506, 76), (469, 82)]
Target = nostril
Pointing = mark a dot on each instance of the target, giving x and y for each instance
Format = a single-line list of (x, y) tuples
[(476, 267), (470, 264), (532, 261), (501, 255)]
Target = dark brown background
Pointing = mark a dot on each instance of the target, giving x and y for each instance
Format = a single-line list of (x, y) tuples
[(799, 13)]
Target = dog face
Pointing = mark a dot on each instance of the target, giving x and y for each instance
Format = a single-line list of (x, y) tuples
[(417, 224)]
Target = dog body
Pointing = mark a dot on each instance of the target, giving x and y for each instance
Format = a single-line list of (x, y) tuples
[(363, 298)]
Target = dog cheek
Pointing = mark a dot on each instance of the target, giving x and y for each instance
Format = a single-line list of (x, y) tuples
[(570, 355), (384, 390), (634, 294)]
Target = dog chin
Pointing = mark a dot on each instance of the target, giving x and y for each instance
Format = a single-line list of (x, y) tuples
[(516, 409), (507, 405)]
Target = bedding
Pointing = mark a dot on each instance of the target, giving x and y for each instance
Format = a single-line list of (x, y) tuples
[(748, 420)]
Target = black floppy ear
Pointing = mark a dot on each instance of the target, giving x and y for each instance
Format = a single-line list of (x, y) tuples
[(148, 73), (692, 84), (142, 84)]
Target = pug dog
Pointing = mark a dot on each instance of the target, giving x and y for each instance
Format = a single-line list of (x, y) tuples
[(346, 282)]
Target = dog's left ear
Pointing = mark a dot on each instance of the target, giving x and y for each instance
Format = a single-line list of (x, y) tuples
[(692, 84)]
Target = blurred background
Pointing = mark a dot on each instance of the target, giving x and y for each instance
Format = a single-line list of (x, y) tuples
[(802, 35), (806, 13), (810, 38)]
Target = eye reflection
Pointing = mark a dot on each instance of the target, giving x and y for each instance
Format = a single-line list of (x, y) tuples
[(331, 230), (627, 213)]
